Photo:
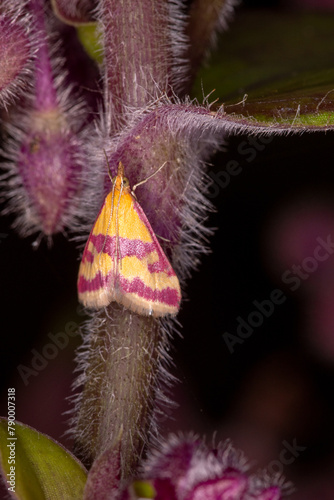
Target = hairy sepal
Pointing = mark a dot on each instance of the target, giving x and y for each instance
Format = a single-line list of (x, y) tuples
[(120, 364), (45, 144), (17, 50)]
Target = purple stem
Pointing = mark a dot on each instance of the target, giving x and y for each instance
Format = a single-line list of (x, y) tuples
[(137, 53), (45, 92)]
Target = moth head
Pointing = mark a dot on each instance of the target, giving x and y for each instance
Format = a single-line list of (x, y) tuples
[(120, 183), (125, 182)]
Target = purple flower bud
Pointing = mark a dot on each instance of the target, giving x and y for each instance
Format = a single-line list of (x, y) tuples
[(47, 163), (186, 469), (46, 151), (231, 488), (15, 53)]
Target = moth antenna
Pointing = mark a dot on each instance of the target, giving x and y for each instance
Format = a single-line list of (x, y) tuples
[(108, 166), (162, 238), (149, 177)]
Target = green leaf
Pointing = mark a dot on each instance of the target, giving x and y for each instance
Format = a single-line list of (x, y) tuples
[(143, 489), (44, 470), (274, 69), (90, 39)]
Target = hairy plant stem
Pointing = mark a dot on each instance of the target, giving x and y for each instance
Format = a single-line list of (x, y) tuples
[(122, 362), (137, 53)]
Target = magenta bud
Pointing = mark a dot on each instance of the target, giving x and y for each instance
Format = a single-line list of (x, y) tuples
[(15, 57), (45, 151), (48, 166), (186, 469), (229, 488)]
